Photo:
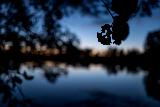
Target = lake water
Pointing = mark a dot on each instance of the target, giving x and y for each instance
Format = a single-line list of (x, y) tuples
[(77, 86)]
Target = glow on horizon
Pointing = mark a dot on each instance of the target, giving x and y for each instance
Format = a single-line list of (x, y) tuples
[(87, 27)]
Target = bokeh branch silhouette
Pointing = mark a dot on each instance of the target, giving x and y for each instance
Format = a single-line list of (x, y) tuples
[(124, 9)]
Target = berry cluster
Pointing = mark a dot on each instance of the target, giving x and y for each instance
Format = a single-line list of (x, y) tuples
[(118, 31)]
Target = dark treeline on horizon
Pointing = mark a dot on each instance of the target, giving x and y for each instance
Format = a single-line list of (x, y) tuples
[(20, 43), (18, 38), (28, 50), (113, 60)]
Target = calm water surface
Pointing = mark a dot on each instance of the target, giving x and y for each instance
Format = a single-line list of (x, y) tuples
[(79, 86)]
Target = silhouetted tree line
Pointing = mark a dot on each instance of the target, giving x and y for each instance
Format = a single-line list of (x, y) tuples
[(125, 9), (12, 77), (19, 19), (70, 54)]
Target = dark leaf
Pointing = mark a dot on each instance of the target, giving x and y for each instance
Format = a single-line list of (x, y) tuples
[(120, 30), (124, 7), (108, 41), (105, 27), (17, 79), (27, 77)]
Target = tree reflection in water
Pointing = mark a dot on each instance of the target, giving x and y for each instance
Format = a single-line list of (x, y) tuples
[(52, 74), (151, 80), (152, 83), (11, 79), (104, 99), (10, 84), (100, 98)]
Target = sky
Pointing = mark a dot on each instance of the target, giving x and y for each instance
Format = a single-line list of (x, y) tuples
[(86, 28)]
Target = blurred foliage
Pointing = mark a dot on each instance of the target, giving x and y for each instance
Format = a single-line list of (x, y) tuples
[(124, 9), (21, 17), (12, 77), (152, 42), (10, 83)]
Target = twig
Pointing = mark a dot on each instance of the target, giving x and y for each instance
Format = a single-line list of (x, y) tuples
[(18, 88), (20, 91), (106, 5)]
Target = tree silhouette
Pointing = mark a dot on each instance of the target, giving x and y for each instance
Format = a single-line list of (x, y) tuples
[(151, 82), (10, 82), (22, 16), (152, 46), (152, 42), (124, 9)]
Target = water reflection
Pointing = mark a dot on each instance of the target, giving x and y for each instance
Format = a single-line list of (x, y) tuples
[(12, 76), (10, 85), (52, 74), (58, 84), (152, 82)]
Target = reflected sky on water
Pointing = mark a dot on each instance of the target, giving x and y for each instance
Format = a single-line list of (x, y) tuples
[(67, 85)]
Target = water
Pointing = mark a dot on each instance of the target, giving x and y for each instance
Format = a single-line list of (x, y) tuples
[(80, 86)]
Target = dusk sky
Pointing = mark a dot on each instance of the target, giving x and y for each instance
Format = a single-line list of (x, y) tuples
[(86, 28)]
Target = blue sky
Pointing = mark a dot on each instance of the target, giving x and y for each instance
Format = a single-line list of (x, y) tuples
[(86, 28)]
